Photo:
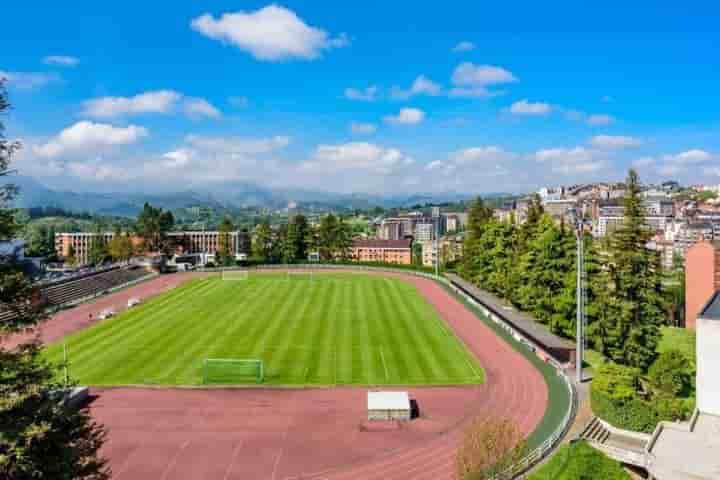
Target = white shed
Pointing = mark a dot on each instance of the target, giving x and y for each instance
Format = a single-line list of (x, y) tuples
[(388, 406)]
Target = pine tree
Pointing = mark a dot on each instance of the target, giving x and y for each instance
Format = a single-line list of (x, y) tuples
[(39, 437), (478, 217), (631, 307)]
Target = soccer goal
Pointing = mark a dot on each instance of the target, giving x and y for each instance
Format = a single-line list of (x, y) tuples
[(234, 274), (232, 370)]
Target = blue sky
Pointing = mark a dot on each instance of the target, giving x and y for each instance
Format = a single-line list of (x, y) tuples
[(362, 96)]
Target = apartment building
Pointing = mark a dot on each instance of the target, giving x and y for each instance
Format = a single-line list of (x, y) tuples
[(193, 243), (702, 278), (382, 251)]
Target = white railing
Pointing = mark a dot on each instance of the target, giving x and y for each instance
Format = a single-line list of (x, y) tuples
[(517, 470)]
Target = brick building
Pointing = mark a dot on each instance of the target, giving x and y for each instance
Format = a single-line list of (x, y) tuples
[(382, 251), (702, 278)]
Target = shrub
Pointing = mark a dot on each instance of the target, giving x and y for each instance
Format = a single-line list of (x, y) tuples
[(580, 461), (490, 445), (615, 395), (670, 375)]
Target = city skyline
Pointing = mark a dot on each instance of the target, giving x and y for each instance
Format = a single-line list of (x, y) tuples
[(361, 98)]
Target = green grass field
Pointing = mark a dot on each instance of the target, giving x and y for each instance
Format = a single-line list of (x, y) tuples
[(327, 329)]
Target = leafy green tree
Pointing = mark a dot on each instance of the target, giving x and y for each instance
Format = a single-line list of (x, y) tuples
[(225, 255), (262, 242), (334, 238), (294, 241), (39, 437), (98, 252), (71, 258), (630, 289), (152, 226)]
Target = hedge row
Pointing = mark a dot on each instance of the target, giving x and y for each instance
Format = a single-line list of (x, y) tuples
[(614, 397)]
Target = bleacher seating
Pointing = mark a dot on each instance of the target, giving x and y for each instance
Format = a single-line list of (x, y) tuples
[(66, 292)]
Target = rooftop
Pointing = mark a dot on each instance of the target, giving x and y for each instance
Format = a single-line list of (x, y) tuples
[(388, 401), (379, 243), (711, 311)]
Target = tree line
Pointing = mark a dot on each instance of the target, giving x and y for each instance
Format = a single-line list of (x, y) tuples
[(533, 266), (331, 239)]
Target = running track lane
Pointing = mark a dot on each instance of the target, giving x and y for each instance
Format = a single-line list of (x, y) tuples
[(294, 434)]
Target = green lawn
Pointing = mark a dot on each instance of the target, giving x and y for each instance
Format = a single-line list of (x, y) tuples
[(327, 329), (580, 461)]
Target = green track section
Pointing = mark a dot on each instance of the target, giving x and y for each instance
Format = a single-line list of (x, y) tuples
[(324, 329)]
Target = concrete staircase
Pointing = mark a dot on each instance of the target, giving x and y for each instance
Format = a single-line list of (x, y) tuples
[(595, 432)]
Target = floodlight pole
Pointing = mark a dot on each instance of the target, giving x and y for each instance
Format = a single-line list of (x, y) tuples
[(580, 308)]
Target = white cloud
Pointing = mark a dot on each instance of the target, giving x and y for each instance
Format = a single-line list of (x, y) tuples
[(615, 142), (177, 158), (238, 145), (600, 119), (61, 60), (406, 116), (199, 107), (471, 166), (28, 80), (365, 157), (97, 170), (155, 102), (369, 94), (472, 80), (469, 74), (84, 137), (578, 160), (272, 33), (360, 128), (689, 157), (464, 46), (643, 162), (421, 86), (525, 107)]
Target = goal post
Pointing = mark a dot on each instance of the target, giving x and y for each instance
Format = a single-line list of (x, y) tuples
[(233, 370), (234, 274)]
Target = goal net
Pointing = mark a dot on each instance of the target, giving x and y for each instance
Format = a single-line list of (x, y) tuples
[(229, 371), (234, 274)]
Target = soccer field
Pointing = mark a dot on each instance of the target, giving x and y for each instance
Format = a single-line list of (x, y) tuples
[(325, 329)]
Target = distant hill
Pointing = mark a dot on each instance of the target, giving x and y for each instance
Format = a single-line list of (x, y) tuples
[(233, 195)]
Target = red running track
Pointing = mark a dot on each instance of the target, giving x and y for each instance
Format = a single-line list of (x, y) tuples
[(293, 434)]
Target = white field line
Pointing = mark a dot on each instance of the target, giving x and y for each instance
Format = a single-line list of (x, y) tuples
[(382, 357)]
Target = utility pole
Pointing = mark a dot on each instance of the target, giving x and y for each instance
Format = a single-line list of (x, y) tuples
[(436, 235), (580, 317)]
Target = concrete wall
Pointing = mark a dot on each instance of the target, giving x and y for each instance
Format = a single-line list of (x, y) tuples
[(708, 366), (700, 283)]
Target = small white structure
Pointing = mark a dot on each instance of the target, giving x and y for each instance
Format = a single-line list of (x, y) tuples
[(388, 406), (107, 313), (132, 302)]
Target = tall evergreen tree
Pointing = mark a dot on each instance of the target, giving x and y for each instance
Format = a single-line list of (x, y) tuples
[(631, 308), (478, 217), (39, 437)]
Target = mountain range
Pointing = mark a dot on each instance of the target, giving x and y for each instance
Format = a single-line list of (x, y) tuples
[(237, 195)]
